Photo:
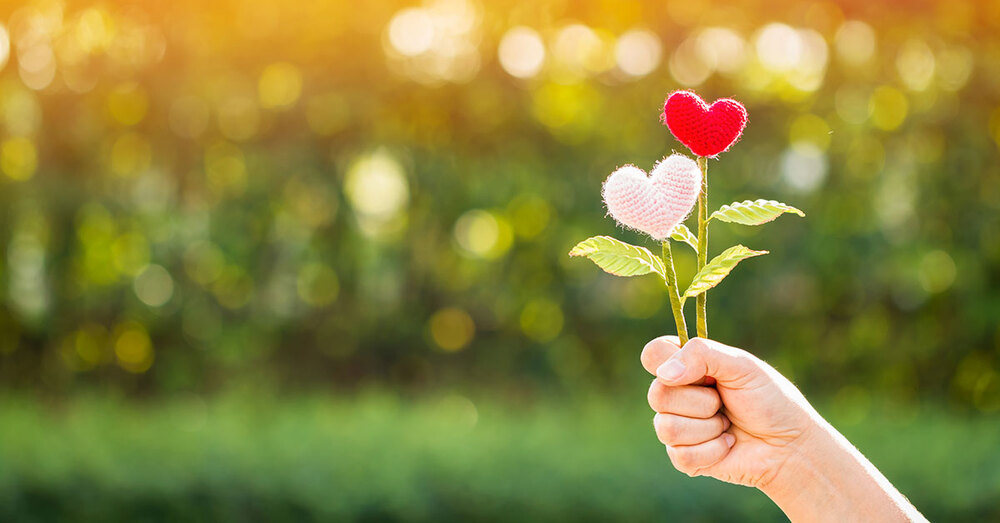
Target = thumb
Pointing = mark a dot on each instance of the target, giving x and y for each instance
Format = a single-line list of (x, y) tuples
[(701, 358)]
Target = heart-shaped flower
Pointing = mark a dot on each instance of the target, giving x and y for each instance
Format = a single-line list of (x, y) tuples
[(706, 130), (653, 204)]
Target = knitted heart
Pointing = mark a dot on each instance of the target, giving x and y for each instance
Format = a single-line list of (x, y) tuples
[(706, 130), (657, 203)]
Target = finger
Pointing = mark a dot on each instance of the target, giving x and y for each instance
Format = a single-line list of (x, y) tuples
[(658, 351), (685, 400), (692, 459), (677, 430), (701, 358)]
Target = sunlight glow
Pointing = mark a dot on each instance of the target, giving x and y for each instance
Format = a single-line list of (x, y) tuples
[(638, 52), (803, 167), (888, 108), (915, 64), (4, 46), (722, 48), (435, 43), (954, 66), (411, 31), (376, 186), (521, 52), (482, 234), (579, 51), (279, 86), (687, 66), (855, 42), (779, 47)]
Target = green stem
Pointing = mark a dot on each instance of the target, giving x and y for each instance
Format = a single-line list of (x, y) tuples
[(701, 311), (673, 292)]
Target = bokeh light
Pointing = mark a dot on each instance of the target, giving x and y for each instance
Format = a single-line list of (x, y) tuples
[(133, 348), (347, 218), (779, 47), (482, 234), (915, 64), (542, 319), (436, 42), (411, 31), (687, 65), (4, 46), (578, 51), (154, 286), (888, 108), (376, 186), (128, 103), (18, 158), (317, 285), (521, 52), (451, 328), (800, 55), (279, 86), (723, 49), (855, 43), (803, 166), (638, 52)]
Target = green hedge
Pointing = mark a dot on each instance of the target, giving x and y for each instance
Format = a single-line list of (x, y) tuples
[(376, 457)]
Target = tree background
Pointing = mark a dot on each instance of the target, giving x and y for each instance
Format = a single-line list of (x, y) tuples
[(249, 246)]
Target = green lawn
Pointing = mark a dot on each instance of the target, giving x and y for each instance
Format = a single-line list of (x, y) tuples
[(376, 457)]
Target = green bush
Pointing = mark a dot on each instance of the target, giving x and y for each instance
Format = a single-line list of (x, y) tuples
[(436, 458)]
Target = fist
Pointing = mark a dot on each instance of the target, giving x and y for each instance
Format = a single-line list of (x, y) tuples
[(722, 412), (690, 423)]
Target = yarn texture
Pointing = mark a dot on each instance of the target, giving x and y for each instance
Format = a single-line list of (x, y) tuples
[(653, 204), (706, 130)]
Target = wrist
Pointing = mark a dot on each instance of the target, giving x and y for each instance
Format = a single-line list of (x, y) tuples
[(803, 473), (825, 478)]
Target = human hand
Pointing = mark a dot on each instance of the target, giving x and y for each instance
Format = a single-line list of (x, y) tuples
[(755, 428), (742, 430)]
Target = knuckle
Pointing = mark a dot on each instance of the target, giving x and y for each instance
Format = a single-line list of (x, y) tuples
[(646, 358), (683, 461), (744, 359), (698, 344), (721, 425), (654, 395), (666, 428), (654, 353), (712, 400)]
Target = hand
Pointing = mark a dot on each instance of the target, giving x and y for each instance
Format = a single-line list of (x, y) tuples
[(755, 428), (741, 431)]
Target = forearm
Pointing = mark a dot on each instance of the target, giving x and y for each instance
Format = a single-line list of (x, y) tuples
[(830, 480)]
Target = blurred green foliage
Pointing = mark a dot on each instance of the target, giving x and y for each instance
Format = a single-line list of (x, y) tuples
[(312, 195), (437, 458), (286, 196)]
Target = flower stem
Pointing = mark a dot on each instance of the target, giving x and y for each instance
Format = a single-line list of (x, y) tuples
[(674, 293), (701, 311)]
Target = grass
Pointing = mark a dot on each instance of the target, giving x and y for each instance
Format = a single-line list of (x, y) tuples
[(435, 458)]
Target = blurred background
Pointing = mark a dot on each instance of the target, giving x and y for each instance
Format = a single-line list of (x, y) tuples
[(308, 260)]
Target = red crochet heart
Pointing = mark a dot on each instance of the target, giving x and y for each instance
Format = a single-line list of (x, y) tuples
[(706, 130)]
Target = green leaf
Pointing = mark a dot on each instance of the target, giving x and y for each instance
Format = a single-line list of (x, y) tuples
[(619, 258), (753, 212), (682, 234), (717, 269)]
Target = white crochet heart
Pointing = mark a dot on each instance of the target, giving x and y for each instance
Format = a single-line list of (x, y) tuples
[(653, 204)]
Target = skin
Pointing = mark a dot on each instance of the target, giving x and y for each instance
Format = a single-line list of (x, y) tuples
[(724, 413)]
